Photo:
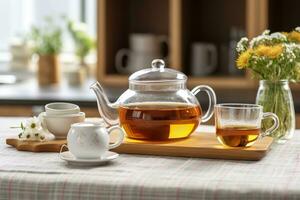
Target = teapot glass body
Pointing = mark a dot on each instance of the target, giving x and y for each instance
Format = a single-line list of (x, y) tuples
[(157, 105)]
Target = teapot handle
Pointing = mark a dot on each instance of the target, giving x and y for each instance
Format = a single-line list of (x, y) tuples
[(212, 100)]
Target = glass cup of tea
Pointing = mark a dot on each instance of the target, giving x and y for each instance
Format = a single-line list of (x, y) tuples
[(239, 125)]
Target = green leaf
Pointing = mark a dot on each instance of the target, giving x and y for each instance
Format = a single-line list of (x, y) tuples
[(84, 43), (47, 39)]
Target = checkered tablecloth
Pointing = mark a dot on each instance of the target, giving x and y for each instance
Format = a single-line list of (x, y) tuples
[(25, 175)]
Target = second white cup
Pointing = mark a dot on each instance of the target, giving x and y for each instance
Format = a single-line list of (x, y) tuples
[(61, 108), (59, 125), (59, 116)]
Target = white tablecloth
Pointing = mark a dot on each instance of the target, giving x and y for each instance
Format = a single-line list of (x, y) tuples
[(26, 175)]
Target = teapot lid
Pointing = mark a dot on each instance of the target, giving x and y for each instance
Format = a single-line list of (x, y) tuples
[(157, 76)]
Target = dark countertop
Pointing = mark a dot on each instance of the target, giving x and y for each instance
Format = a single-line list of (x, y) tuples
[(28, 92)]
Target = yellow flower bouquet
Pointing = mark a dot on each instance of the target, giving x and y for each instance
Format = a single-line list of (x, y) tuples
[(274, 59), (271, 57)]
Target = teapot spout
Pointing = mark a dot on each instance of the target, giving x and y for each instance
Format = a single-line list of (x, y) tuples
[(107, 110)]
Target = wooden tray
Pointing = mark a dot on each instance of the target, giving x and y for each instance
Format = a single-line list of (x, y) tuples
[(199, 145), (46, 146)]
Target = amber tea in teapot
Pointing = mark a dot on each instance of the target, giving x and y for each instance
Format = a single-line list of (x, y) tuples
[(159, 120)]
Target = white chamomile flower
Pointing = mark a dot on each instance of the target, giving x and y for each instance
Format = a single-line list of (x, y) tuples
[(32, 130), (26, 134), (297, 29), (266, 32), (36, 134), (39, 135), (278, 36), (242, 45), (33, 123)]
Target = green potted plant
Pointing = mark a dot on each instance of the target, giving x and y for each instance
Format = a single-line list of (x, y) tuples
[(47, 44), (84, 43)]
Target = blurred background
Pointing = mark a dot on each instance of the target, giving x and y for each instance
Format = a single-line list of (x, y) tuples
[(52, 50)]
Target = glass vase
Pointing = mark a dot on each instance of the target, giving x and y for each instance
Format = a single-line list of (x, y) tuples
[(276, 97)]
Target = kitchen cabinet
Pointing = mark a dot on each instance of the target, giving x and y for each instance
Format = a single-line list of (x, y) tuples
[(185, 22)]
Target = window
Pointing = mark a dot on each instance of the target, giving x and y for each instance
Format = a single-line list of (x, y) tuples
[(17, 17)]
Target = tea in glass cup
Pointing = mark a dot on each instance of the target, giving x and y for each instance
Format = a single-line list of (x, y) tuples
[(239, 125)]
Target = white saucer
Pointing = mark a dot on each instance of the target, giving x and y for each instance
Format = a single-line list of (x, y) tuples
[(72, 160)]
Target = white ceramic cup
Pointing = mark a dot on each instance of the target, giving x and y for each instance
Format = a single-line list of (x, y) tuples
[(90, 140), (203, 58), (136, 61), (59, 125), (147, 43), (61, 108), (143, 48)]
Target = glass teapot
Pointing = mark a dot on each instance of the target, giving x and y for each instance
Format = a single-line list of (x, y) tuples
[(157, 105)]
